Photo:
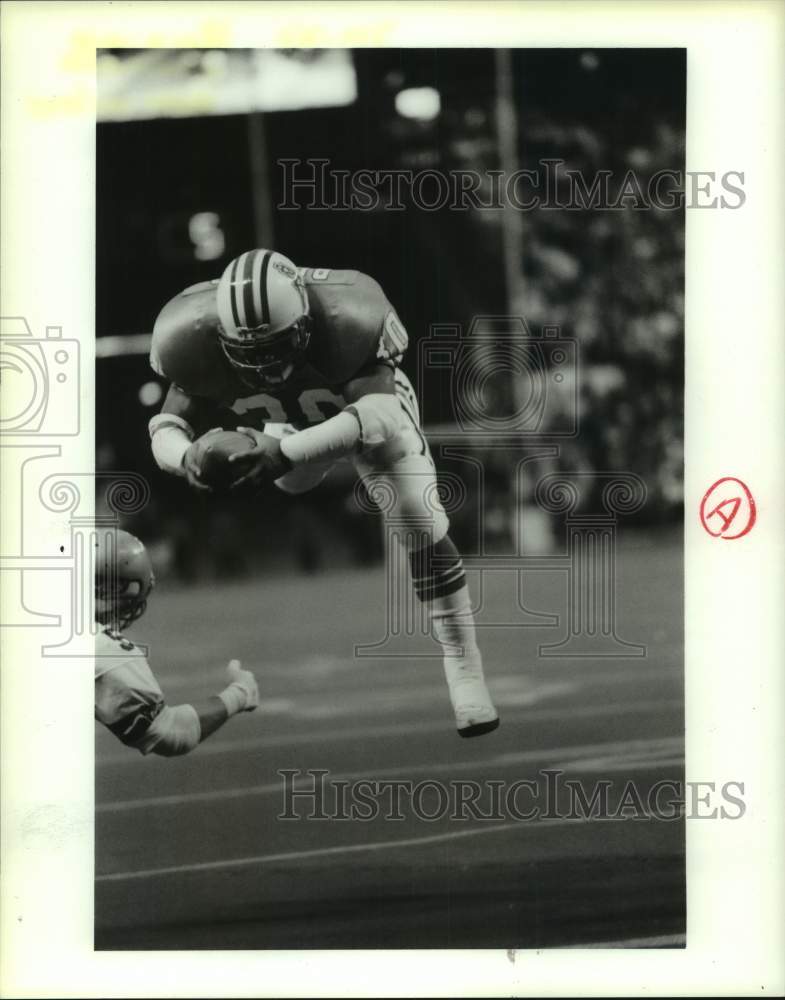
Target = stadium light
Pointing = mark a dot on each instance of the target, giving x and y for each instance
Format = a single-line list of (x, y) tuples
[(421, 103), (150, 393)]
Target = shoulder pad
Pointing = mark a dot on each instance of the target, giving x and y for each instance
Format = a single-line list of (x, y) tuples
[(185, 347), (329, 276), (112, 647), (348, 309)]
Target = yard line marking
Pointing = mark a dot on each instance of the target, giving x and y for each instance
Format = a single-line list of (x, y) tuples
[(507, 690), (657, 941), (636, 753), (309, 669), (397, 729), (617, 764), (320, 852)]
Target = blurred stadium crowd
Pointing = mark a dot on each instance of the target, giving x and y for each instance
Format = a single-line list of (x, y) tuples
[(184, 188)]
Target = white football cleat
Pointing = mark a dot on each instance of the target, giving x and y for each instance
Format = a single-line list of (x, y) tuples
[(475, 714)]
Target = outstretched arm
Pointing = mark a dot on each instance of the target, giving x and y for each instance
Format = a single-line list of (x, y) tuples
[(372, 417), (179, 729)]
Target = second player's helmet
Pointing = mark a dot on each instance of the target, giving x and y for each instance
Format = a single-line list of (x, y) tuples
[(263, 313), (123, 578)]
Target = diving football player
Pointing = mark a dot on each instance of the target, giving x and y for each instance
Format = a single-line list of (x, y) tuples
[(305, 362)]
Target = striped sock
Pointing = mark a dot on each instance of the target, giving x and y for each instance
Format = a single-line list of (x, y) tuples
[(440, 583), (437, 570)]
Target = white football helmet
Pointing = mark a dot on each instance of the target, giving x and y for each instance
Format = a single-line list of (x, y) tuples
[(263, 313), (123, 579)]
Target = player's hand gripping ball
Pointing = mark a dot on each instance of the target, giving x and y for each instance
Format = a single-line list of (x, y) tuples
[(207, 464), (245, 459), (260, 466)]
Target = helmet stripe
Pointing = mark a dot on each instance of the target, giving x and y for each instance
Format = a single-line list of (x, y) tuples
[(256, 282), (247, 287), (263, 287), (232, 276), (237, 290)]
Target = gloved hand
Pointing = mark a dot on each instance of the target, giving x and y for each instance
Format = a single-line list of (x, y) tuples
[(242, 694)]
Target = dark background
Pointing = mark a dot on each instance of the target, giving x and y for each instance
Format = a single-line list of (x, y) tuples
[(611, 279), (189, 852)]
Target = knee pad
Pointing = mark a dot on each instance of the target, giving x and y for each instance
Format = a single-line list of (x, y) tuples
[(407, 495), (381, 418)]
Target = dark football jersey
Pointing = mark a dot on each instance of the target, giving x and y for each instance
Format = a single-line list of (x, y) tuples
[(353, 327)]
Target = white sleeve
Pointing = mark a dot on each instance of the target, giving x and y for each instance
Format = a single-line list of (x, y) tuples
[(330, 440), (369, 422), (170, 437)]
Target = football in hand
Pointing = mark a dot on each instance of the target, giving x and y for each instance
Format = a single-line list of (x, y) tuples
[(212, 452)]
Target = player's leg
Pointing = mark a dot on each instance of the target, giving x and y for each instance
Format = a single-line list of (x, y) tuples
[(440, 583), (406, 468)]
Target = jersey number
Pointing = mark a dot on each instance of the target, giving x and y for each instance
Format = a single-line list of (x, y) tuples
[(312, 405)]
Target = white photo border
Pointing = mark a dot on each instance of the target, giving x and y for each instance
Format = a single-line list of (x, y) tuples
[(735, 593)]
